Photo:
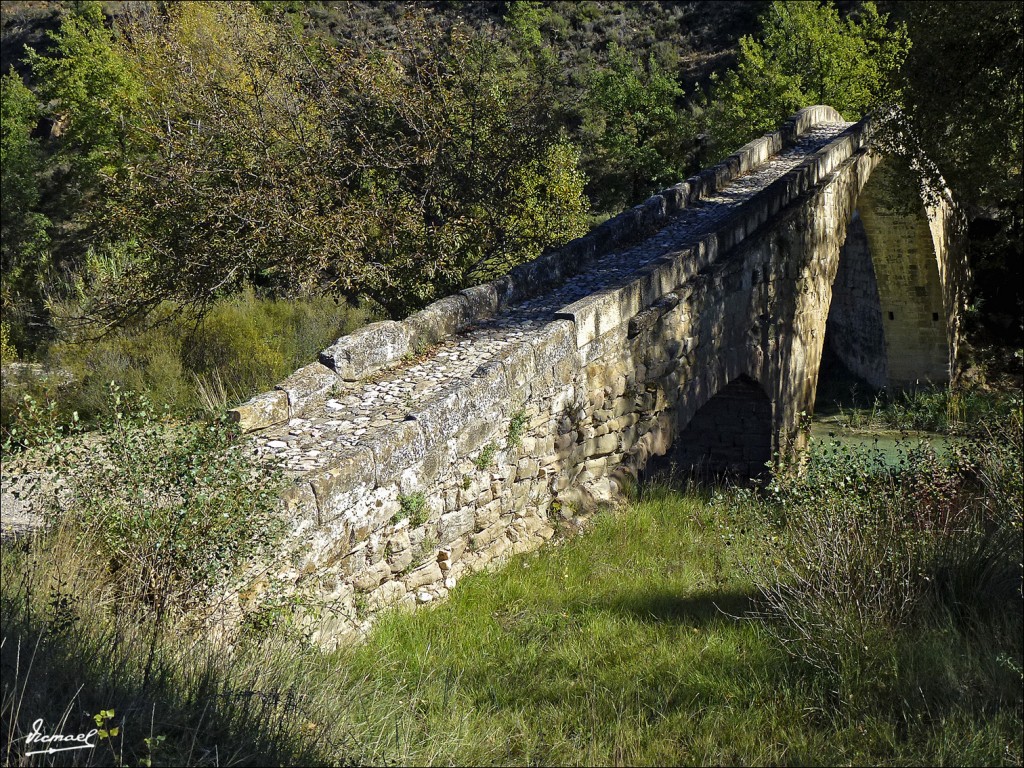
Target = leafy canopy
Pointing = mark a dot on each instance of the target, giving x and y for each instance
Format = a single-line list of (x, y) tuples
[(806, 54), (258, 154), (638, 136)]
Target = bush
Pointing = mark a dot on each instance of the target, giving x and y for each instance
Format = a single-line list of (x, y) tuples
[(172, 509), (873, 549), (244, 345)]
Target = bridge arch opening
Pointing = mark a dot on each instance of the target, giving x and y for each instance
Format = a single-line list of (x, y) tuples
[(888, 320), (729, 436)]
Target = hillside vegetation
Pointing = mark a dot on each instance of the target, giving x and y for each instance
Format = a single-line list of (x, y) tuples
[(161, 158)]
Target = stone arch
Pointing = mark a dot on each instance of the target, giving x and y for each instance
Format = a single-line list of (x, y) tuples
[(730, 434), (893, 315)]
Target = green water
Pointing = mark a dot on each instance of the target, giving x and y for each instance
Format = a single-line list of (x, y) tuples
[(833, 428)]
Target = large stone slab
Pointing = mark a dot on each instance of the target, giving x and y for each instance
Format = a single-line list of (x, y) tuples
[(307, 384), (263, 410), (396, 448), (352, 472), (367, 350)]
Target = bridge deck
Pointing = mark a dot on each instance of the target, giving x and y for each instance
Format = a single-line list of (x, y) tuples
[(337, 423)]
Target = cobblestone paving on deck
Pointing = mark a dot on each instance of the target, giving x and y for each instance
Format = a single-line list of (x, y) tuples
[(359, 408)]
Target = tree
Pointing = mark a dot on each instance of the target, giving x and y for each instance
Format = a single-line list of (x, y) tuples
[(463, 167), (638, 137), (964, 111), (401, 173), (806, 54), (89, 87), (24, 240)]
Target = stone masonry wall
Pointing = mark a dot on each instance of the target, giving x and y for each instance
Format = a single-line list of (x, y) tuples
[(424, 450)]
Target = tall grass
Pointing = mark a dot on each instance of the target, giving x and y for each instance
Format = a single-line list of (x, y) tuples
[(877, 556), (962, 410)]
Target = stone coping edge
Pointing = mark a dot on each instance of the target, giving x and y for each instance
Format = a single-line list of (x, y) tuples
[(604, 311)]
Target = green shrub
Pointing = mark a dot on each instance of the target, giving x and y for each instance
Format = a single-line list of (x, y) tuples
[(486, 457), (872, 548), (174, 510), (8, 354), (516, 426), (414, 507), (945, 409), (245, 344)]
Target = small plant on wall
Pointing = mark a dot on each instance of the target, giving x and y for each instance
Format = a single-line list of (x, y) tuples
[(486, 457), (414, 507), (516, 427)]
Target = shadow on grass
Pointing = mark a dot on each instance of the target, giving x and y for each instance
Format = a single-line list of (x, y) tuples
[(691, 610), (54, 670)]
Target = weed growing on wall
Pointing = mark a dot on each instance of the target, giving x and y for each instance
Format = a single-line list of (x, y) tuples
[(516, 426), (486, 457), (412, 506)]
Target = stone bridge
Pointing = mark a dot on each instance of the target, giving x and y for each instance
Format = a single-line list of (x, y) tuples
[(692, 325)]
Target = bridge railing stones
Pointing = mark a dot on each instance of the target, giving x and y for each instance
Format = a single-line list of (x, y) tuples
[(607, 310)]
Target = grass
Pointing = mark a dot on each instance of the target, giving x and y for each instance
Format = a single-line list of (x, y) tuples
[(861, 611), (627, 645)]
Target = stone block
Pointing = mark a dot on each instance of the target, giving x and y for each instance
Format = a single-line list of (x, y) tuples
[(601, 446), (263, 410), (555, 343), (483, 301), (487, 535), (399, 561), (350, 472), (308, 384), (483, 397), (366, 350), (372, 577), (425, 574), (299, 502), (487, 515), (395, 448), (437, 321), (520, 367), (385, 595), (456, 524), (603, 312)]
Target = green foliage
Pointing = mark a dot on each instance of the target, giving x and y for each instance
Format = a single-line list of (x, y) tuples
[(175, 509), (244, 345), (965, 96), (636, 637), (961, 410), (486, 457), (402, 173), (414, 507), (24, 240), (92, 89), (8, 354), (873, 547), (516, 425), (805, 54), (964, 112), (638, 135)]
